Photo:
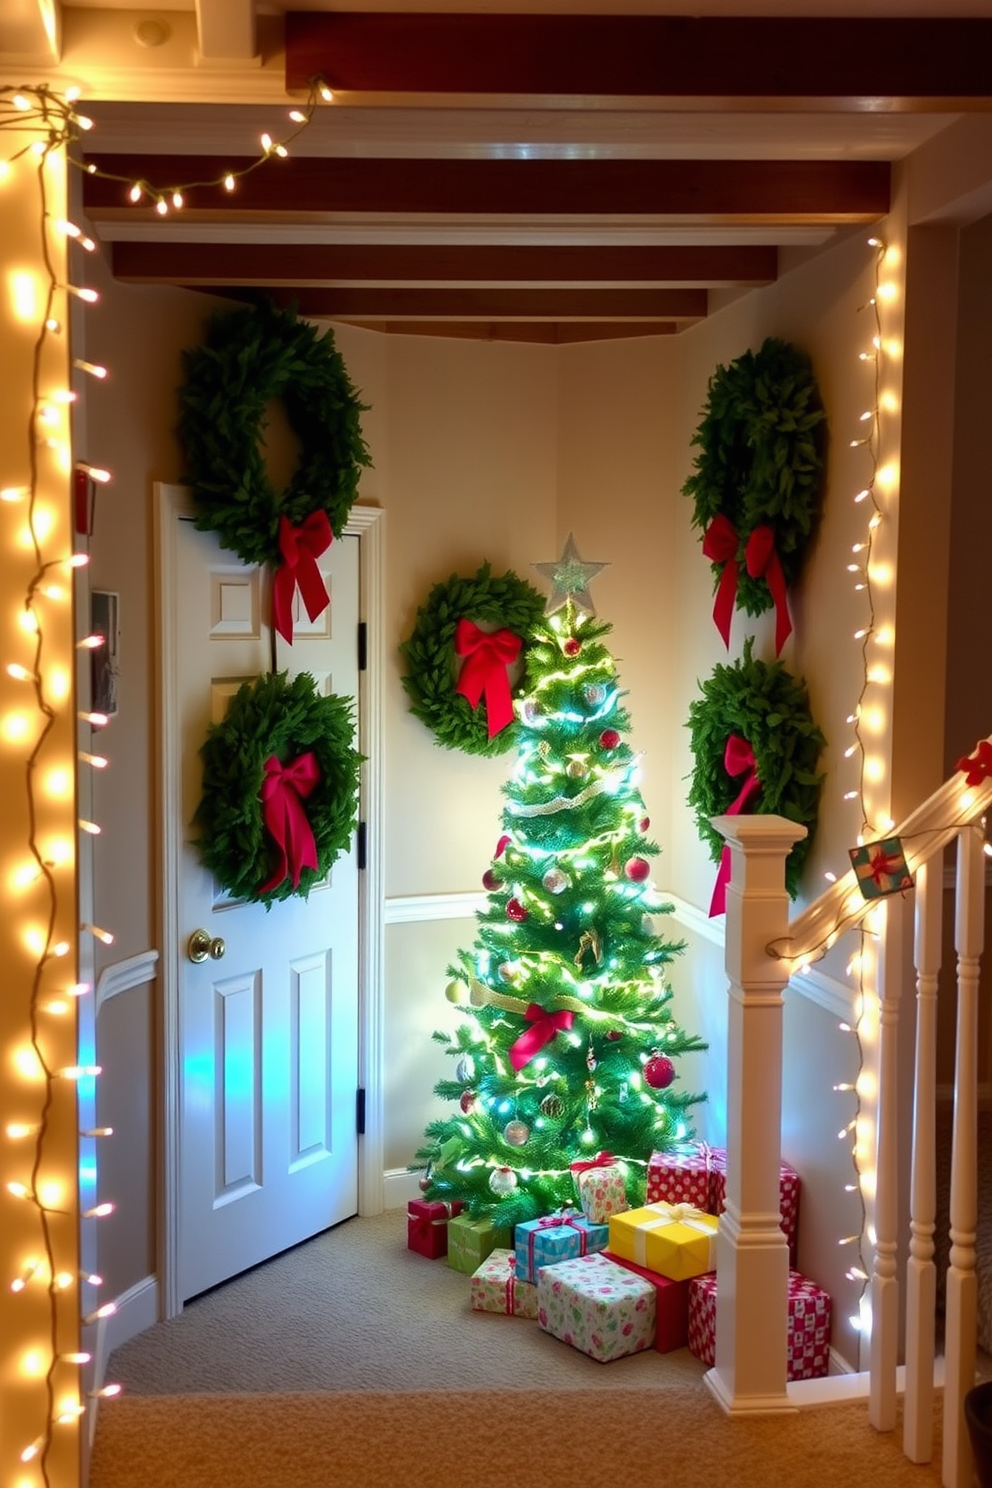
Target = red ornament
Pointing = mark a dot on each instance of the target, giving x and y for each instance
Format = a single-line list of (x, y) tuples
[(613, 1035), (609, 739), (644, 823), (637, 869), (572, 647), (516, 911), (659, 1071), (491, 880), (467, 1101), (501, 846)]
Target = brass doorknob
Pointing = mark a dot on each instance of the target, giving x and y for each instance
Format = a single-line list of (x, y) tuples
[(200, 945)]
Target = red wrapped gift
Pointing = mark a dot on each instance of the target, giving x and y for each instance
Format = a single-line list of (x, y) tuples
[(671, 1305), (427, 1225), (808, 1328), (681, 1176), (788, 1196)]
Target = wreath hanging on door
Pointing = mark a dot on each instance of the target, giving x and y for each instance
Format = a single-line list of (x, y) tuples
[(249, 357), (468, 636), (755, 748), (757, 486), (280, 788)]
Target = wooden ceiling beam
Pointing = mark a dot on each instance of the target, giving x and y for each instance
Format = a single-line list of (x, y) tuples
[(866, 63), (552, 304), (267, 264), (306, 188)]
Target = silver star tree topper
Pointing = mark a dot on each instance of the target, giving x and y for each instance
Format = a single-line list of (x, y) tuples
[(570, 577)]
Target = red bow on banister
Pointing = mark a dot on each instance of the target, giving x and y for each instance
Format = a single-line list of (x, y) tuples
[(484, 672), (283, 792), (978, 765), (720, 542), (738, 756), (761, 557), (545, 1026), (300, 548)]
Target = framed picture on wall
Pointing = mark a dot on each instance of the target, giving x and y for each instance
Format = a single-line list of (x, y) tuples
[(105, 621)]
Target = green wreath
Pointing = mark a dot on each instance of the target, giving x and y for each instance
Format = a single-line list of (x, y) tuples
[(431, 676), (250, 357), (762, 441), (768, 708), (273, 716)]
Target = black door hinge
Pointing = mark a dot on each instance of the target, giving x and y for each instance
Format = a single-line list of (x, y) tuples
[(361, 845), (360, 1111), (363, 646)]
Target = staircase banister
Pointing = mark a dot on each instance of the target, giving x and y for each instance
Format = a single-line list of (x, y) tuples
[(924, 833)]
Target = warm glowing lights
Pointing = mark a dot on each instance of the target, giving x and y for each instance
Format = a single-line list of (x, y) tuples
[(15, 728), (57, 783)]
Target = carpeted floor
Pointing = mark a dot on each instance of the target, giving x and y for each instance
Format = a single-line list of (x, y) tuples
[(352, 1363)]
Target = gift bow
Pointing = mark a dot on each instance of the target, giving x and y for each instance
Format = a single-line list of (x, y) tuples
[(883, 864), (554, 1222), (545, 1026), (421, 1223), (738, 756), (720, 544), (669, 1214), (300, 548), (978, 765), (484, 672), (284, 789), (602, 1160)]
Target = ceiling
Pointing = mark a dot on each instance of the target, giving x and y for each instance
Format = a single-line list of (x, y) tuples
[(549, 177)]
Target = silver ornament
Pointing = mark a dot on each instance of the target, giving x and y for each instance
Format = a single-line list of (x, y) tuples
[(594, 694), (464, 1069), (516, 1133), (555, 881), (502, 1181)]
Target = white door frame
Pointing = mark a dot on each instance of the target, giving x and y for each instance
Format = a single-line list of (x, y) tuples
[(366, 523)]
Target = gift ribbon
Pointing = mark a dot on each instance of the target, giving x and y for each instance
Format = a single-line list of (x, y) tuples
[(720, 542), (883, 864), (669, 1214), (484, 671), (602, 1160), (978, 765), (738, 756), (300, 548), (554, 1222), (284, 789), (545, 1026), (763, 562), (423, 1222)]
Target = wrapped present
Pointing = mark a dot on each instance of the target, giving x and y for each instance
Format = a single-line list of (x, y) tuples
[(677, 1240), (495, 1287), (557, 1237), (681, 1176), (788, 1196), (600, 1188), (427, 1225), (808, 1326), (880, 868), (471, 1240), (597, 1306), (671, 1305)]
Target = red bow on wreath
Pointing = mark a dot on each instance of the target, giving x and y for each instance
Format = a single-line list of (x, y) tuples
[(738, 756), (484, 672), (978, 765), (283, 792), (300, 548), (720, 542)]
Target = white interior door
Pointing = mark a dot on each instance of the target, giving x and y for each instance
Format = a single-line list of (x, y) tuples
[(269, 1031)]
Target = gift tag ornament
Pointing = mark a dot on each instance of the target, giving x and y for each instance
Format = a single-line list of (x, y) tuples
[(502, 1181), (659, 1071)]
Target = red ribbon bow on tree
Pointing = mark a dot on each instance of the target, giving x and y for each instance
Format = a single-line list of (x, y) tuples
[(720, 542), (484, 672), (545, 1026), (978, 765), (283, 792), (738, 756), (300, 548)]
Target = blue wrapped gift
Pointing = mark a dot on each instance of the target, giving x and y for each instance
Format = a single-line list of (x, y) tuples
[(557, 1237)]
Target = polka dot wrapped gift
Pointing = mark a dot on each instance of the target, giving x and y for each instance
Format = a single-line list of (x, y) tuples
[(808, 1355), (596, 1306)]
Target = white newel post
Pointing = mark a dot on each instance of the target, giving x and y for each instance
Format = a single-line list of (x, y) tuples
[(752, 1251)]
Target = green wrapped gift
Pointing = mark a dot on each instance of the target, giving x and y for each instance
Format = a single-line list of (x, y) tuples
[(470, 1241)]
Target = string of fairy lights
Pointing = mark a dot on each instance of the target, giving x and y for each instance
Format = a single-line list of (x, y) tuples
[(45, 127)]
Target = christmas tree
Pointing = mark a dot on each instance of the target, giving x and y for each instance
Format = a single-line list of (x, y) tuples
[(571, 1045)]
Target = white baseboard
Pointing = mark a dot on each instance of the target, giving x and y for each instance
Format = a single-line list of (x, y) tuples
[(137, 1309), (399, 1187)]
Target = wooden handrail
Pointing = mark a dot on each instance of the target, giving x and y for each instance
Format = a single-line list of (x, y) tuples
[(923, 833)]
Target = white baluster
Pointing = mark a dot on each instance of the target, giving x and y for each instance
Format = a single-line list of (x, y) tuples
[(962, 1282), (752, 1251), (884, 1284), (921, 1274)]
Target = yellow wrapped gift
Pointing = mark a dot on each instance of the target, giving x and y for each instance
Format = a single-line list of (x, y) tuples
[(676, 1240)]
